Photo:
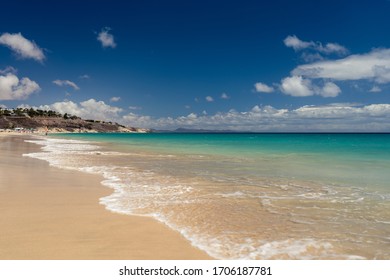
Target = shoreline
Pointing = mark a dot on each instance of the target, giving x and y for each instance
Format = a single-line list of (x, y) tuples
[(52, 213)]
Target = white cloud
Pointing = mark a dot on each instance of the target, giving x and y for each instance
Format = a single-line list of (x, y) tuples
[(375, 89), (209, 99), (115, 99), (382, 74), (132, 119), (192, 116), (311, 57), (333, 117), (100, 109), (295, 43), (63, 107), (22, 47), (329, 48), (374, 66), (66, 83), (135, 108), (348, 114), (84, 77), (8, 69), (225, 96), (329, 90), (89, 109), (260, 87), (13, 88), (296, 86), (106, 38), (332, 48), (300, 87)]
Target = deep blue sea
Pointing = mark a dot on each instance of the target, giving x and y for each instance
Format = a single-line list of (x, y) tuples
[(246, 196)]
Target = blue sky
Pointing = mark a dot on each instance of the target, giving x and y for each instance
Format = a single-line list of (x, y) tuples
[(241, 65)]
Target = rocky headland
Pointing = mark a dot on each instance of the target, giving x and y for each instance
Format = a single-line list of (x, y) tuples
[(32, 120)]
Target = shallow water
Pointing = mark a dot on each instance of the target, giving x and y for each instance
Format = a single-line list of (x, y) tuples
[(247, 196)]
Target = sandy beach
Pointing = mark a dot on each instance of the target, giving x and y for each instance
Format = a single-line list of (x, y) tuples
[(51, 213)]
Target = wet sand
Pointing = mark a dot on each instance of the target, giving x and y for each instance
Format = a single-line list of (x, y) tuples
[(51, 213)]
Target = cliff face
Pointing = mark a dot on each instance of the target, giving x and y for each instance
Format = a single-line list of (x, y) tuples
[(60, 124)]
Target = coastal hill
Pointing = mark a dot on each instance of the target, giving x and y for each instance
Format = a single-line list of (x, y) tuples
[(51, 121)]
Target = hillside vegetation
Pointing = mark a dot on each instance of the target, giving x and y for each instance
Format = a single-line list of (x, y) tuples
[(42, 120)]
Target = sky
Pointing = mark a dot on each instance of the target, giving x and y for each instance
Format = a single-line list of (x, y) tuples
[(272, 66)]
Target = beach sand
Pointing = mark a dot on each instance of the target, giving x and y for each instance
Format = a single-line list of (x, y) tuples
[(51, 213)]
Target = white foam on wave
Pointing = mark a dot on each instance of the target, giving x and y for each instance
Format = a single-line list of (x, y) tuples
[(220, 247), (64, 145), (142, 193), (383, 222), (300, 249), (60, 152), (293, 249), (237, 194)]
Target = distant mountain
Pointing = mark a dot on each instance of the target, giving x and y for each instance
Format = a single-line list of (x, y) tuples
[(51, 121)]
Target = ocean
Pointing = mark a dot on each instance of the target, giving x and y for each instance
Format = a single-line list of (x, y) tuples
[(246, 196)]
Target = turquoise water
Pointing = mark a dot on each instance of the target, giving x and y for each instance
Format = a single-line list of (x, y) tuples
[(247, 196), (361, 159)]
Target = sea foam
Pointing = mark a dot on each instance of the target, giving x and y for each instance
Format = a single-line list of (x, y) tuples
[(227, 216)]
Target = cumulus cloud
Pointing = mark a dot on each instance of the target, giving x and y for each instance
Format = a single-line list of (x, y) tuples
[(100, 108), (66, 83), (375, 89), (319, 77), (374, 66), (297, 44), (301, 87), (89, 109), (13, 88), (381, 74), (106, 39), (224, 96), (260, 87), (332, 48), (23, 47), (296, 86), (135, 108), (115, 99), (330, 118), (329, 90), (334, 117), (209, 99)]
